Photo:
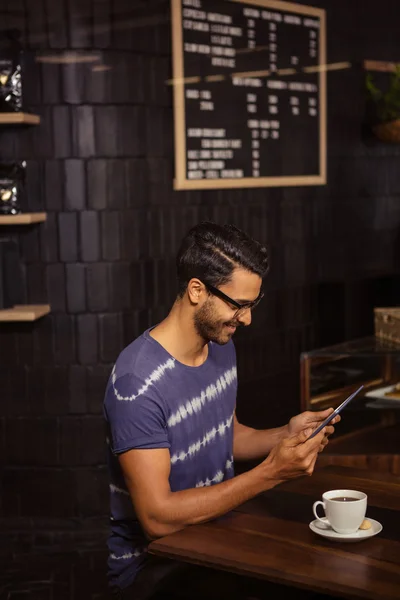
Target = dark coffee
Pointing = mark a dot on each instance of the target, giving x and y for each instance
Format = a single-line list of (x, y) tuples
[(344, 499)]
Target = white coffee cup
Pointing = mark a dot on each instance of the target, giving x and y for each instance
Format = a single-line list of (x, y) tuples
[(344, 509)]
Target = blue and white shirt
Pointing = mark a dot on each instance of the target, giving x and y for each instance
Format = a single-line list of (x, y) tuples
[(154, 401)]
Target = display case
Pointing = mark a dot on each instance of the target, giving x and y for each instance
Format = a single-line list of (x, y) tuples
[(367, 436), (329, 375)]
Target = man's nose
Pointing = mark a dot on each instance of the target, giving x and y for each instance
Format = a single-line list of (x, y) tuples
[(245, 317)]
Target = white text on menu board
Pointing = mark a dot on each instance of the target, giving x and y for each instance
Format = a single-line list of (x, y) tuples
[(221, 36)]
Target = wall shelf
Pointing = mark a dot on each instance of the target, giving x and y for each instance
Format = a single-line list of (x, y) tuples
[(23, 218), (19, 118), (379, 65), (24, 313)]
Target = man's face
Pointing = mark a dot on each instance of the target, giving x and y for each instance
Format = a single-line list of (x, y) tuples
[(215, 319)]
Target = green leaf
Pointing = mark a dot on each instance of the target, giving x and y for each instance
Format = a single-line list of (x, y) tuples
[(388, 101)]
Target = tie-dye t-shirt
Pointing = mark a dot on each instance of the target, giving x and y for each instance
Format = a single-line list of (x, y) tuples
[(154, 401)]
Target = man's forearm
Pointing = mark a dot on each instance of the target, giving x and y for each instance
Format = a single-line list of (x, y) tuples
[(197, 505), (249, 444)]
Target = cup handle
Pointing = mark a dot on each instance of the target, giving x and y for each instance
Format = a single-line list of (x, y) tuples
[(315, 510)]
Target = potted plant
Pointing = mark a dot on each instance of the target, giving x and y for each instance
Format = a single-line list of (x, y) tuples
[(387, 107)]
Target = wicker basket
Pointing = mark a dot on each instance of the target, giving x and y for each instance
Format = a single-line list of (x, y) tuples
[(388, 132), (387, 324)]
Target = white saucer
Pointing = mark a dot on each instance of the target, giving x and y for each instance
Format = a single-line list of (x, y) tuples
[(326, 531)]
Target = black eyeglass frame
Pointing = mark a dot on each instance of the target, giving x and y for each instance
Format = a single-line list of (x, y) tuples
[(240, 307)]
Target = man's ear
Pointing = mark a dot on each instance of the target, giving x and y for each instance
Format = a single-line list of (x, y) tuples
[(196, 291)]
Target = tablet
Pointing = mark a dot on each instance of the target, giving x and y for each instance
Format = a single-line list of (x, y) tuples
[(335, 412)]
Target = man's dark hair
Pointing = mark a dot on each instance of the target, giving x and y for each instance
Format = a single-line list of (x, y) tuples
[(211, 252)]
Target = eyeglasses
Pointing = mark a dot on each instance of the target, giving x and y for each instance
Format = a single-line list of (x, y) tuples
[(241, 308)]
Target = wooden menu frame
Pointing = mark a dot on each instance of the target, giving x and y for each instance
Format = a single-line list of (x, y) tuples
[(181, 182)]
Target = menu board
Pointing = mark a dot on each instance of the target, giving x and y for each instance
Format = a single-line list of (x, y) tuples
[(249, 81)]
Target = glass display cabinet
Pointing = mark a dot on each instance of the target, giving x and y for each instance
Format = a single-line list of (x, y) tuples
[(368, 435), (329, 375)]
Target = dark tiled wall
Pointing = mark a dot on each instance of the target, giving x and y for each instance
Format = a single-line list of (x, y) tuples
[(101, 165)]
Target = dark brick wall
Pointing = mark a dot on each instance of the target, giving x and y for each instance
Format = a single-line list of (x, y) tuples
[(101, 165), (53, 559)]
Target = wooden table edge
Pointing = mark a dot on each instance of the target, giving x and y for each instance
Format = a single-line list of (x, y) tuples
[(273, 576)]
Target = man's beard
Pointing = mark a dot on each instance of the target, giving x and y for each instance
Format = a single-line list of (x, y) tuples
[(210, 329)]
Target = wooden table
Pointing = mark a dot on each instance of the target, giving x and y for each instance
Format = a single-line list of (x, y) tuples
[(269, 538)]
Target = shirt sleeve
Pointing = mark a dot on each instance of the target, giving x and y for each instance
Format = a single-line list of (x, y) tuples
[(136, 417)]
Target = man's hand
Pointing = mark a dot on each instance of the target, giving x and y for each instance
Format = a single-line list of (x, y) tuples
[(294, 456), (313, 419)]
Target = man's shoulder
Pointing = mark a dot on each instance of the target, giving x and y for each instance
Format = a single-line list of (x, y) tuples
[(139, 358), (136, 371), (145, 359)]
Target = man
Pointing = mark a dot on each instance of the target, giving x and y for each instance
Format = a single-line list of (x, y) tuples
[(170, 408)]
